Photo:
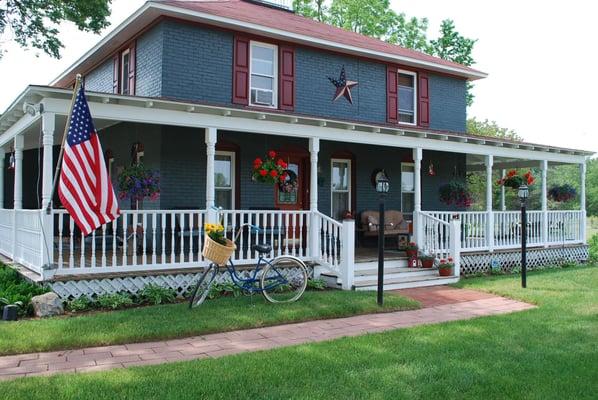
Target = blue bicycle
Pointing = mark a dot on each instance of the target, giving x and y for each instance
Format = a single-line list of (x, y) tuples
[(280, 280)]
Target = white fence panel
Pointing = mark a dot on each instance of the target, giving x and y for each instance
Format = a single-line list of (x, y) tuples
[(28, 239), (6, 231)]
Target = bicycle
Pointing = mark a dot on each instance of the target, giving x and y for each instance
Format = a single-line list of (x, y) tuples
[(282, 279)]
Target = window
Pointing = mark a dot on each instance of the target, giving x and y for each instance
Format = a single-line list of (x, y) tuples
[(340, 187), (125, 68), (224, 179), (263, 75), (407, 97), (407, 189)]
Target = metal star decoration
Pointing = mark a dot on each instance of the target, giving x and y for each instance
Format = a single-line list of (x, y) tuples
[(343, 86)]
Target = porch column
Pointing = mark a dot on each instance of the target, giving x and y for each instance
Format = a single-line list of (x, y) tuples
[(2, 154), (211, 138), (417, 196), (314, 232), (503, 206), (582, 200), (48, 126), (489, 213), (544, 196), (18, 186)]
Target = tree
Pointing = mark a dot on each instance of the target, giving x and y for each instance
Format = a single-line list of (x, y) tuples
[(34, 23), (410, 33), (491, 128), (369, 17), (314, 9)]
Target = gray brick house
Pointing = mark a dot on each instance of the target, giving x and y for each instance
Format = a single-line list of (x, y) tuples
[(206, 87)]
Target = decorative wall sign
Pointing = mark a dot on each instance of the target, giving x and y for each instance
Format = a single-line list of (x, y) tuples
[(431, 170), (343, 86)]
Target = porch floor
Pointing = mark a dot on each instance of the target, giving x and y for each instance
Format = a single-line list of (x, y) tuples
[(370, 254)]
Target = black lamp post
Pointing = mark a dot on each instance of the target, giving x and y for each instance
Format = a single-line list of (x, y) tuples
[(523, 195), (382, 187)]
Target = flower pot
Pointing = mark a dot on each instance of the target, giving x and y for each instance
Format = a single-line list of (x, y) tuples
[(411, 253), (445, 271), (427, 262), (217, 253)]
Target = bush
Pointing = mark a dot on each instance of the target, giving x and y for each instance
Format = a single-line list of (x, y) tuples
[(224, 289), (13, 288), (316, 284), (155, 294), (593, 243), (81, 304), (114, 300)]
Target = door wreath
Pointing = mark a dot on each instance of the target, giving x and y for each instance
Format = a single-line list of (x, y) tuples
[(289, 182)]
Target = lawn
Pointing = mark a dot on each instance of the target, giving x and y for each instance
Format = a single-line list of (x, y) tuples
[(545, 353), (176, 320)]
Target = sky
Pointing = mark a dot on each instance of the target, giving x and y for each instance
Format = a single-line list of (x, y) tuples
[(540, 57)]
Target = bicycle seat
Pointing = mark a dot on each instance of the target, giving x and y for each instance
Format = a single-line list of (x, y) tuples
[(261, 248)]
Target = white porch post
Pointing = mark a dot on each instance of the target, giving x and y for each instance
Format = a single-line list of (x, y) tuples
[(2, 154), (503, 205), (314, 242), (211, 138), (489, 213), (544, 194), (47, 221), (582, 200), (348, 254), (417, 197), (18, 185), (455, 245)]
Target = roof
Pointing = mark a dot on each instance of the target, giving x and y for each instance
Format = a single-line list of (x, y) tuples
[(260, 20)]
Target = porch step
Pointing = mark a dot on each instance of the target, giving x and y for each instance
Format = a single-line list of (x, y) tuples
[(366, 266), (394, 273), (407, 283)]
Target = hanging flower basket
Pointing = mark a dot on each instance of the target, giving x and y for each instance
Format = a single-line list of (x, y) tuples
[(514, 179), (562, 193), (457, 193), (136, 182), (269, 170), (217, 248)]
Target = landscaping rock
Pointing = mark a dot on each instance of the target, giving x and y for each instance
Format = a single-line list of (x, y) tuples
[(47, 305)]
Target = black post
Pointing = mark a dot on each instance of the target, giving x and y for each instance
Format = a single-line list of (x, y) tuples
[(381, 253), (523, 246)]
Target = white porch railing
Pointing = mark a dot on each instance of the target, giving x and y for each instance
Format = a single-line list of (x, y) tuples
[(565, 226), (441, 238), (21, 237)]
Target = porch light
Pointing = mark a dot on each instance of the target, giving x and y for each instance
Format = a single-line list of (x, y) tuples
[(523, 194), (382, 184), (382, 187)]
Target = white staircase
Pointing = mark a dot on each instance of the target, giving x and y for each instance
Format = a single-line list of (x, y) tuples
[(396, 276)]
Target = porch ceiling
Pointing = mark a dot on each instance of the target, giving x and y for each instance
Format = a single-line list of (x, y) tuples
[(110, 108)]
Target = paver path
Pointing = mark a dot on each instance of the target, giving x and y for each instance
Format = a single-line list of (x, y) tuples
[(442, 304)]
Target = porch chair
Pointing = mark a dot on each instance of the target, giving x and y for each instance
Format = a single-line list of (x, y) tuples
[(394, 224)]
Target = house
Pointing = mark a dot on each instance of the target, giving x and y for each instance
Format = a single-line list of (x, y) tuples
[(199, 89)]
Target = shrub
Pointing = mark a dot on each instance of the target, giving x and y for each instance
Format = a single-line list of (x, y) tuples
[(80, 304), (316, 284), (593, 243), (13, 289), (155, 294), (114, 300), (224, 289)]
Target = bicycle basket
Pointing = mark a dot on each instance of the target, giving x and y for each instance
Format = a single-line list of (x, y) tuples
[(217, 253)]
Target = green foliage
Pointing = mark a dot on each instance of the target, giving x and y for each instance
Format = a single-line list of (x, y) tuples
[(114, 300), (16, 290), (410, 33), (491, 129), (593, 243), (314, 9), (316, 284), (80, 304), (220, 289), (369, 17), (34, 23), (155, 294)]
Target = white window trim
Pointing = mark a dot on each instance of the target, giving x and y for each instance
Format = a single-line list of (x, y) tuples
[(124, 76), (233, 182), (415, 105), (332, 190), (274, 70), (403, 192)]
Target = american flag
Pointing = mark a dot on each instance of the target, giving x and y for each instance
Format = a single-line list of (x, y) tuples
[(85, 189)]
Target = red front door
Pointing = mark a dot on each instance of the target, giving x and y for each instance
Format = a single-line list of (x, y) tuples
[(292, 195)]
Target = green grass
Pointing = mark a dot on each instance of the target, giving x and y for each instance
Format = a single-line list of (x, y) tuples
[(176, 320), (545, 353)]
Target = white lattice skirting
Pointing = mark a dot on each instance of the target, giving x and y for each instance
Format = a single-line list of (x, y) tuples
[(180, 282), (507, 260)]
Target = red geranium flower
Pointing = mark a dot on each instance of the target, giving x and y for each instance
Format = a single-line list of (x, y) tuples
[(511, 173), (263, 172), (273, 173), (271, 154), (257, 161)]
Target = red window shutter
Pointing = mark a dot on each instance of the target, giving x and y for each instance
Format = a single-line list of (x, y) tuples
[(241, 71), (115, 72), (392, 95), (132, 72), (423, 112), (287, 78)]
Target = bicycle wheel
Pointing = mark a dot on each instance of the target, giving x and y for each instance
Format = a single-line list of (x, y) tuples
[(203, 286), (284, 280)]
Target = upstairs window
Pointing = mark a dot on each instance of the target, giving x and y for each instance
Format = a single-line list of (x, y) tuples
[(263, 75), (125, 69), (407, 97)]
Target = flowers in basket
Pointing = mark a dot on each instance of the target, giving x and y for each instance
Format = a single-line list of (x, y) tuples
[(457, 193), (446, 267), (216, 233), (514, 179), (562, 193), (217, 247), (137, 182), (270, 170)]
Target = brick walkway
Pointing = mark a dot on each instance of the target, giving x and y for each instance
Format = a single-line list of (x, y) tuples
[(442, 304)]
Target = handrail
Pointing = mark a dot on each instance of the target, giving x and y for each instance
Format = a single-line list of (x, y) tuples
[(327, 218), (433, 218)]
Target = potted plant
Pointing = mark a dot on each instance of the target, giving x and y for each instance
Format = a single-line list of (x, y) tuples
[(136, 182), (270, 170), (217, 247), (411, 249), (457, 193), (446, 267), (10, 310), (562, 193), (514, 179), (427, 260)]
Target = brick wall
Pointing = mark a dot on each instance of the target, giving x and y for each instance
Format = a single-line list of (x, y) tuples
[(100, 79), (448, 105), (149, 49)]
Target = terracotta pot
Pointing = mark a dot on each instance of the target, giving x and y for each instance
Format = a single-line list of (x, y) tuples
[(445, 271), (411, 253), (427, 262)]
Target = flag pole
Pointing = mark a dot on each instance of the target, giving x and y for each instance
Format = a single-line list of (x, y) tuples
[(64, 136)]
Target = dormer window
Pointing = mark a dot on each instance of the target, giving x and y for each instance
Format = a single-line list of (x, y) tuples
[(407, 97), (263, 82), (125, 69)]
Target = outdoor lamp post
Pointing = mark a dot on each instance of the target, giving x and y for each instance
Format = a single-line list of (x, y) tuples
[(382, 187), (523, 195)]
